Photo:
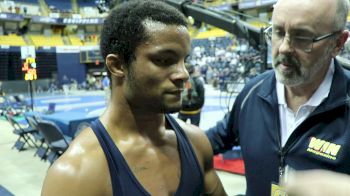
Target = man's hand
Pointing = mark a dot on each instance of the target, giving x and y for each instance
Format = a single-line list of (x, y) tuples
[(318, 183)]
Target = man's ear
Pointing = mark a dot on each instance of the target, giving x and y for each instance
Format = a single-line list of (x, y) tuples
[(340, 43), (115, 65)]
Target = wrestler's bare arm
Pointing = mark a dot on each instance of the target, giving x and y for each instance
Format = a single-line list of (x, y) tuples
[(212, 183)]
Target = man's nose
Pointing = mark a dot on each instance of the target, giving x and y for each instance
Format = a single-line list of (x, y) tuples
[(286, 45)]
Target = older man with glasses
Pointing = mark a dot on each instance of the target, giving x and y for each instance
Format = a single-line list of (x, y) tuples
[(296, 116)]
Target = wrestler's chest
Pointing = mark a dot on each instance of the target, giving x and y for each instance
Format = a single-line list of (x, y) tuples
[(158, 170)]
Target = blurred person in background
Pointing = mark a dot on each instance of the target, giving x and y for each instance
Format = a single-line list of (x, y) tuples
[(192, 97), (65, 85)]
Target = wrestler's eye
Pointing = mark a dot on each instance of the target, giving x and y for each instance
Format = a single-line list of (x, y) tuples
[(164, 61)]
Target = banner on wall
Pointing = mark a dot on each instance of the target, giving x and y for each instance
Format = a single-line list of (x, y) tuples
[(67, 21), (11, 17)]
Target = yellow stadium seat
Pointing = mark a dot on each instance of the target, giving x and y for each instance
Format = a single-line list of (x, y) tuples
[(41, 40), (12, 40)]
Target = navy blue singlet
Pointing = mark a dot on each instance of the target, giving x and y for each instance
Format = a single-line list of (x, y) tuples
[(124, 183)]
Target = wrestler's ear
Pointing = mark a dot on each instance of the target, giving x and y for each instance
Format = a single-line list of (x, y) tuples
[(114, 64)]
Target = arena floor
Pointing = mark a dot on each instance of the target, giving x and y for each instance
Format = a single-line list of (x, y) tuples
[(23, 174)]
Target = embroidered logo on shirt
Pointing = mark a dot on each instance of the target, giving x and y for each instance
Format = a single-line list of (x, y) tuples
[(323, 148)]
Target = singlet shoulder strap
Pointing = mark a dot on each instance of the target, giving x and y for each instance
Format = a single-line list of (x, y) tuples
[(191, 175), (113, 167), (124, 183)]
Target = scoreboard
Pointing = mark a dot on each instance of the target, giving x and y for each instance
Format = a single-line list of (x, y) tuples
[(90, 56), (29, 69)]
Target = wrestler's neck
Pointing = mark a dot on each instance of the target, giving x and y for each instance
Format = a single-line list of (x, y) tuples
[(118, 117)]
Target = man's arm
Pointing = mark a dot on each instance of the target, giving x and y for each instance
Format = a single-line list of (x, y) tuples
[(221, 136), (224, 135)]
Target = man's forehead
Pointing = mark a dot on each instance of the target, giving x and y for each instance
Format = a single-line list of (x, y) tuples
[(307, 5), (315, 12)]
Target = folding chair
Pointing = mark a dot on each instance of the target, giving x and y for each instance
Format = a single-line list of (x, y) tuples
[(42, 149), (24, 134), (56, 141)]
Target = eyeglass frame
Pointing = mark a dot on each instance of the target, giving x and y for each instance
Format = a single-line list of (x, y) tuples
[(268, 38)]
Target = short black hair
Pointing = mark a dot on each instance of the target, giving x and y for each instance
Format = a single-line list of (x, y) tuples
[(123, 30)]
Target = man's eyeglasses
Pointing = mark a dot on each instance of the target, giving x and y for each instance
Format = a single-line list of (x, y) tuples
[(297, 42)]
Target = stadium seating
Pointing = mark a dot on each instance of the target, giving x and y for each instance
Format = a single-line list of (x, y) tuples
[(12, 40), (40, 40), (75, 40), (211, 33)]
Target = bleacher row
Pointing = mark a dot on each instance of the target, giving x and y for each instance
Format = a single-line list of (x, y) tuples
[(41, 40), (89, 40), (61, 4), (84, 8)]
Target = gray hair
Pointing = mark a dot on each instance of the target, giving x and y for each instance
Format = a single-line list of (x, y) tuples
[(341, 14)]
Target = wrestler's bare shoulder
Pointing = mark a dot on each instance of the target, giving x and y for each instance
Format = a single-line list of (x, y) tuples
[(198, 140), (81, 170)]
